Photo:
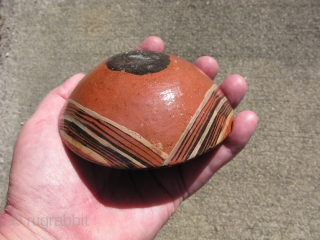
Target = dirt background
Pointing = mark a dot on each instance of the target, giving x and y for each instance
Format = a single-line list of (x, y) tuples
[(271, 190)]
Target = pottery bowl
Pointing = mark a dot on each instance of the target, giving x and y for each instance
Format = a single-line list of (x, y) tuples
[(144, 109)]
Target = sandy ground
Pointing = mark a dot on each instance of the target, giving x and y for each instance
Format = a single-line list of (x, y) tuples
[(271, 190)]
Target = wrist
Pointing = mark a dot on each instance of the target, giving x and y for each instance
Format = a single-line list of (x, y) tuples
[(17, 227)]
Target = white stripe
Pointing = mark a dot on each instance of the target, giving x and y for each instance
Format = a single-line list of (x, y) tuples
[(95, 157), (199, 143), (133, 134), (227, 122), (193, 119), (102, 141)]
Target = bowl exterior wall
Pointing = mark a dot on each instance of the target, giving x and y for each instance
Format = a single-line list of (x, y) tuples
[(129, 121)]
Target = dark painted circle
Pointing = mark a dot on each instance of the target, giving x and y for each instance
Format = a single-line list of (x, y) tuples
[(139, 62)]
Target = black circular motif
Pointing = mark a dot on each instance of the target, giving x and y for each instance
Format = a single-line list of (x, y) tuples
[(139, 62)]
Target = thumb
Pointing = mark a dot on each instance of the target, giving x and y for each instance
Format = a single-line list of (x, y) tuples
[(51, 105)]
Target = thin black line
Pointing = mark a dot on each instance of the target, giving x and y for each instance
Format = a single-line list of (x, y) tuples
[(212, 137), (216, 101), (96, 146), (195, 128), (205, 127), (93, 121)]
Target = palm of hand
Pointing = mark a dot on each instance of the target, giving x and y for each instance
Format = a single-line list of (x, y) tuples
[(52, 191), (49, 180)]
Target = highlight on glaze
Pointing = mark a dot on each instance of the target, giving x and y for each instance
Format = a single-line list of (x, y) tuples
[(143, 109)]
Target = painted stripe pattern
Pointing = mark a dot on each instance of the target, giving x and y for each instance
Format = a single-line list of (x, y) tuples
[(205, 129), (105, 142), (114, 143)]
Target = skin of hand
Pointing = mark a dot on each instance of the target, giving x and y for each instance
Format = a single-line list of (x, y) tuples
[(54, 194)]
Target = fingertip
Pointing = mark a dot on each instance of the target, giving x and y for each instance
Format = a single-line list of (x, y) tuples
[(234, 88), (244, 126), (55, 100), (153, 43), (248, 118), (208, 65), (77, 76), (74, 80), (252, 117), (66, 88), (238, 81)]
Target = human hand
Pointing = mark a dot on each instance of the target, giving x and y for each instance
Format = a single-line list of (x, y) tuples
[(54, 194)]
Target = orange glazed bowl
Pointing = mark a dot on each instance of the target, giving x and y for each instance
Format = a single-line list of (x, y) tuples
[(144, 109)]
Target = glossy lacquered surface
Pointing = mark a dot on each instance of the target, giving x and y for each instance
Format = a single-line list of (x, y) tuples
[(130, 113)]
